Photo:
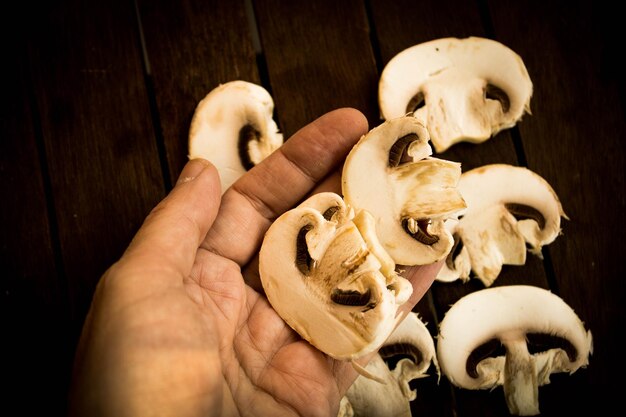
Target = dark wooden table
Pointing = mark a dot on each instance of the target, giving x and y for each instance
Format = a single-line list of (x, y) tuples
[(98, 98)]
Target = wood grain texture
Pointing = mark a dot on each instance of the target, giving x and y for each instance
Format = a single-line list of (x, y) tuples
[(97, 134), (575, 139), (89, 128), (400, 25), (319, 58), (36, 347), (192, 47)]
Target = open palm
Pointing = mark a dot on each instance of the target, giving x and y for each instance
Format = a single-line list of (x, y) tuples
[(179, 326)]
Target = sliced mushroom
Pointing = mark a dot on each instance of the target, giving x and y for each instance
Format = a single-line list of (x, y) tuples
[(345, 408), (464, 89), (233, 128), (328, 280), (486, 340), (508, 209), (371, 398), (412, 349), (413, 345), (390, 174)]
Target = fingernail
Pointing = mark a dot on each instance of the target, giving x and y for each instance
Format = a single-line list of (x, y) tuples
[(191, 170)]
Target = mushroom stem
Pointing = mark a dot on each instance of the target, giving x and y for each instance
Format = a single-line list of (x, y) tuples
[(520, 379)]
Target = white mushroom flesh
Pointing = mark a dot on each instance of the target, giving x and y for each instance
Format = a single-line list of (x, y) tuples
[(513, 317), (372, 398), (412, 340), (510, 210), (464, 89), (233, 128), (390, 174), (328, 280)]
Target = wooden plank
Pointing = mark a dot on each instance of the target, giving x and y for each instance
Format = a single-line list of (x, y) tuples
[(402, 24), (36, 346), (575, 139), (97, 132), (319, 58), (90, 122), (192, 47)]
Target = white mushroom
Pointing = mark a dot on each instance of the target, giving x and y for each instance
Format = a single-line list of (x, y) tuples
[(372, 398), (390, 174), (412, 343), (327, 278), (539, 332), (233, 128), (508, 209), (465, 89), (345, 408), (413, 340)]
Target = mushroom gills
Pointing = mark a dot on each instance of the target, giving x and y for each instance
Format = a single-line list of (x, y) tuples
[(490, 349), (417, 102), (465, 89), (522, 334), (495, 93), (330, 212), (511, 211), (540, 342), (398, 153), (232, 126), (329, 278), (393, 353), (418, 229), (352, 298), (405, 356), (391, 174), (247, 134), (492, 92), (524, 212), (537, 343), (457, 247), (303, 259)]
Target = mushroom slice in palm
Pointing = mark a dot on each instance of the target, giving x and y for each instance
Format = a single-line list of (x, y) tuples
[(233, 128), (390, 174), (508, 208), (464, 89), (411, 349), (328, 281), (515, 336)]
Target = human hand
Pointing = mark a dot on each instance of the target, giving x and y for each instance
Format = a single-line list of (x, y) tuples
[(175, 329)]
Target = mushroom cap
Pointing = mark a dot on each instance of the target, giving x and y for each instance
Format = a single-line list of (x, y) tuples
[(371, 398), (508, 314), (232, 127), (412, 335), (470, 88), (322, 277), (422, 191), (508, 207)]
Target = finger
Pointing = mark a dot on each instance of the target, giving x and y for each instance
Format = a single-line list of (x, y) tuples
[(171, 234), (421, 278), (331, 183), (281, 181)]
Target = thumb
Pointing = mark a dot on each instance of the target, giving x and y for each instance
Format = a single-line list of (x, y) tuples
[(171, 234)]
